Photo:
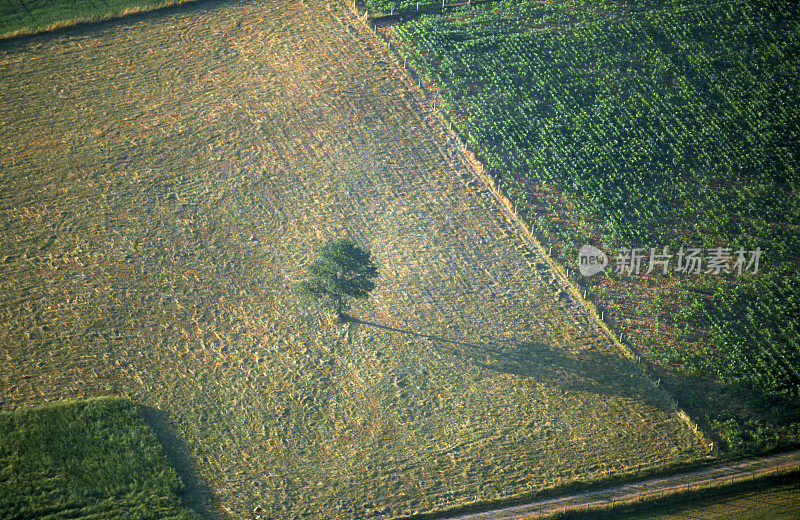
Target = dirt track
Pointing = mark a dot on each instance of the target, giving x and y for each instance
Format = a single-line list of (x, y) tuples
[(658, 487)]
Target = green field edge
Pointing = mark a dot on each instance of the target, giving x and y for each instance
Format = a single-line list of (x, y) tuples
[(566, 272), (133, 9), (529, 233), (425, 7)]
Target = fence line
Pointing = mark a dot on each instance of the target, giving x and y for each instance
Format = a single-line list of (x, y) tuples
[(562, 273)]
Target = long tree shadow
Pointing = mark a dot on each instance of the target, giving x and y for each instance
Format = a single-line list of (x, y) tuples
[(592, 371), (196, 494)]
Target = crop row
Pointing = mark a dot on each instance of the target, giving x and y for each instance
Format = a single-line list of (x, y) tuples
[(614, 111), (760, 313)]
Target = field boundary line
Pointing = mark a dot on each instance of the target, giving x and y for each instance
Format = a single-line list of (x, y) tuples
[(475, 166)]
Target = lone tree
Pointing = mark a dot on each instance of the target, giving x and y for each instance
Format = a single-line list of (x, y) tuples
[(342, 270)]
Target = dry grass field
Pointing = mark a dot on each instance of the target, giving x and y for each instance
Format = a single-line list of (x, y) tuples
[(162, 182)]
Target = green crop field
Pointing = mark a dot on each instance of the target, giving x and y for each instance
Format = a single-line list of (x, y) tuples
[(165, 179), (30, 16), (88, 459), (648, 125)]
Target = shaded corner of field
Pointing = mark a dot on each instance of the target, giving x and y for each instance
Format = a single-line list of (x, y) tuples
[(196, 495), (708, 399)]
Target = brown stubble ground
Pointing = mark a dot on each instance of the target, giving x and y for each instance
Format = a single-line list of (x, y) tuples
[(163, 182)]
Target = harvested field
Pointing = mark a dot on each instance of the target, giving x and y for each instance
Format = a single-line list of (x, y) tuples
[(162, 183)]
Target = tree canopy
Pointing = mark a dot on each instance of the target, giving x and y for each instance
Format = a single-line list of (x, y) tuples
[(342, 270)]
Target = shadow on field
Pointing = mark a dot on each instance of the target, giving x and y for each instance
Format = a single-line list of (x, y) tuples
[(597, 372), (196, 495)]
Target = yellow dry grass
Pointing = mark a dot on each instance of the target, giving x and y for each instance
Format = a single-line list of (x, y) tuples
[(162, 183)]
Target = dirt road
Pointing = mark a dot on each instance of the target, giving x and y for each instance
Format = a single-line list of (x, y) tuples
[(680, 483)]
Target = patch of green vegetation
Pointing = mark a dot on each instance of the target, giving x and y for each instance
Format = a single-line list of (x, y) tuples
[(763, 311), (85, 459), (659, 124), (646, 119), (30, 16)]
